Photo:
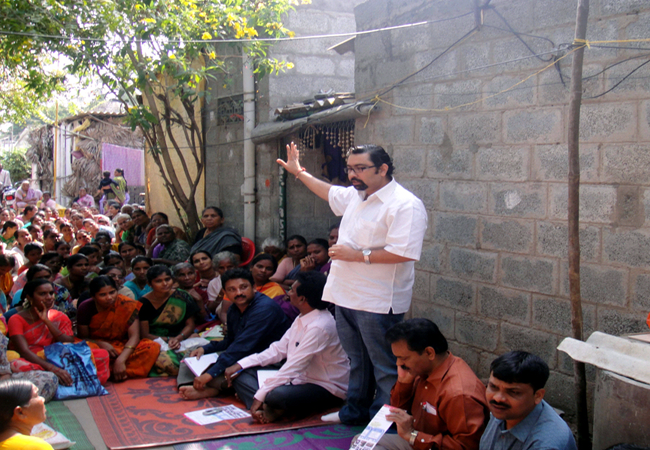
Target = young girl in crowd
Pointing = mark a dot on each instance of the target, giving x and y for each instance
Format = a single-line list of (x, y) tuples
[(296, 250), (138, 285)]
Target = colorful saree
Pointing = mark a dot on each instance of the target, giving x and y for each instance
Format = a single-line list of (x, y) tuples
[(168, 321), (112, 326), (38, 337), (271, 289)]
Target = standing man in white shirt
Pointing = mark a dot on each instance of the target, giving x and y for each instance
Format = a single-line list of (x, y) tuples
[(372, 274), (315, 374), (5, 178)]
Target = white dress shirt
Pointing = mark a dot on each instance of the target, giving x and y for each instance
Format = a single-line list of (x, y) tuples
[(392, 219), (314, 355), (5, 178)]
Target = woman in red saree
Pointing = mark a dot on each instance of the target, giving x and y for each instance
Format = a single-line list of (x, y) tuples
[(111, 321), (37, 326)]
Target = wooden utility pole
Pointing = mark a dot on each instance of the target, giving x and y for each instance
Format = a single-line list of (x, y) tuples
[(580, 381)]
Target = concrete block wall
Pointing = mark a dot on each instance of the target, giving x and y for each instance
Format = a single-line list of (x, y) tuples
[(492, 170), (315, 68)]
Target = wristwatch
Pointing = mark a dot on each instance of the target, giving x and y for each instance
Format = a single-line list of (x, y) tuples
[(414, 436), (366, 255)]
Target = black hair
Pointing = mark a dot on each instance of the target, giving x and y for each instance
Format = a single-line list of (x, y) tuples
[(237, 273), (418, 334), (29, 208), (122, 244), (110, 256), (217, 210), (74, 259), (9, 224), (263, 257), (13, 393), (296, 237), (35, 269), (49, 231), (31, 247), (31, 286), (157, 270), (322, 242), (378, 156), (106, 173), (103, 234), (311, 287), (139, 211), (48, 256), (107, 269), (141, 258), (7, 260), (88, 250), (196, 252), (519, 366), (60, 243), (161, 214), (140, 248), (99, 282), (334, 227)]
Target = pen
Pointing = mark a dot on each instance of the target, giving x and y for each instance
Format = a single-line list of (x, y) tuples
[(236, 373), (212, 412)]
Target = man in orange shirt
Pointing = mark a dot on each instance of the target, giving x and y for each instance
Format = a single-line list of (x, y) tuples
[(437, 402)]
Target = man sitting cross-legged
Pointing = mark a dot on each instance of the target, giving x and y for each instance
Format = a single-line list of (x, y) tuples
[(316, 372), (254, 322)]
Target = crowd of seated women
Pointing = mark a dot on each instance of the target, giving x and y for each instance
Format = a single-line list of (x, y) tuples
[(128, 284)]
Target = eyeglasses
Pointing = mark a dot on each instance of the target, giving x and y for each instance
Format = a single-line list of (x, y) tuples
[(357, 170)]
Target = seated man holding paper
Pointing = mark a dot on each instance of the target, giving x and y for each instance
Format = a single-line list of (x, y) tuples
[(315, 374), (254, 322), (437, 402)]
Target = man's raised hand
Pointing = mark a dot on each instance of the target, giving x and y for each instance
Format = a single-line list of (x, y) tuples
[(293, 160)]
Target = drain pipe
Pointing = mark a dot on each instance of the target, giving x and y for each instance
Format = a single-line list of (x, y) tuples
[(248, 188)]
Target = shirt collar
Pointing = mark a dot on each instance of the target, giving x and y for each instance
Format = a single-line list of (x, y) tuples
[(382, 194), (523, 429), (439, 372), (306, 319)]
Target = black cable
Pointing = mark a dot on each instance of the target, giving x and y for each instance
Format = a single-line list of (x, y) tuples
[(440, 55), (518, 35), (621, 81)]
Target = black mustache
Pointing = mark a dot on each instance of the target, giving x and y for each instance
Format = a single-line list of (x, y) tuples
[(493, 403)]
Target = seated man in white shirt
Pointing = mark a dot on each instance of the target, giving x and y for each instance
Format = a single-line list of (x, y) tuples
[(315, 374)]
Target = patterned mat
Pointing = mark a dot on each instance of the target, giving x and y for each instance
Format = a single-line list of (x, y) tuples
[(149, 412), (60, 418), (333, 437)]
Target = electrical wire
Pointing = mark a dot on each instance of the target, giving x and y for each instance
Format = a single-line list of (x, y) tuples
[(621, 81), (283, 39), (518, 35)]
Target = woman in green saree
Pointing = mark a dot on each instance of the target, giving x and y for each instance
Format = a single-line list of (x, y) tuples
[(120, 187), (169, 314)]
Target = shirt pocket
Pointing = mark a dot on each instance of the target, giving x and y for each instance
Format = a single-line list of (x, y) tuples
[(364, 234)]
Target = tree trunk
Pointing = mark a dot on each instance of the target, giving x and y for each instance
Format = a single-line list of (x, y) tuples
[(584, 441)]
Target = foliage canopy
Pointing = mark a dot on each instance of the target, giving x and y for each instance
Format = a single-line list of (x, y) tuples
[(155, 56)]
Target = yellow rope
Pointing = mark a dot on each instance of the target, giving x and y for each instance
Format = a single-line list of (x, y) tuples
[(620, 41), (450, 108)]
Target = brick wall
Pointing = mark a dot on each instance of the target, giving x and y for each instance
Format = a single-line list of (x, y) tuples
[(494, 273), (315, 68)]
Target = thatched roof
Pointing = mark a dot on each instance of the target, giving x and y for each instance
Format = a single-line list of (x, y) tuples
[(101, 127)]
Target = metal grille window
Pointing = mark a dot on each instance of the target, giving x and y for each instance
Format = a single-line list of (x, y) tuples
[(230, 109)]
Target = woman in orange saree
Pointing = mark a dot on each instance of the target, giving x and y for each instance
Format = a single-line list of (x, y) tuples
[(110, 321)]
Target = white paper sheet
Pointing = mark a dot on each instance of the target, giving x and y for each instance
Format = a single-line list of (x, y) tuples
[(228, 412), (214, 332), (263, 375), (185, 345), (374, 431), (198, 366)]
